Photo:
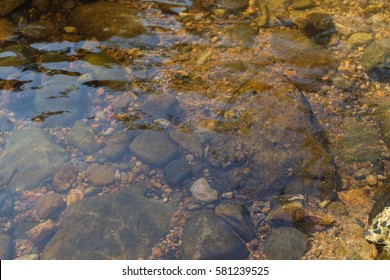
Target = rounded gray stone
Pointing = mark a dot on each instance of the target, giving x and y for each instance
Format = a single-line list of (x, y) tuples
[(153, 147)]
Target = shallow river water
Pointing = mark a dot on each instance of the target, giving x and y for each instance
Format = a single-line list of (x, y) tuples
[(204, 129)]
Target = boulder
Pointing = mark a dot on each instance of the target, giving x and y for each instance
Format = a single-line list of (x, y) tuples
[(208, 237), (286, 243), (106, 20), (31, 156), (123, 225), (153, 147)]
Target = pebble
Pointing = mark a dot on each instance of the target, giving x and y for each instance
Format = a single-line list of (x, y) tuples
[(158, 252), (371, 180), (202, 192), (227, 195), (74, 196), (40, 233)]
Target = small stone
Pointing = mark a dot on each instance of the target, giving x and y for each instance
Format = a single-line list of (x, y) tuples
[(83, 138), (70, 29), (202, 192), (227, 195), (359, 39), (41, 233), (177, 171), (158, 252), (74, 196), (153, 147), (371, 180), (100, 175), (37, 30), (49, 205), (65, 177)]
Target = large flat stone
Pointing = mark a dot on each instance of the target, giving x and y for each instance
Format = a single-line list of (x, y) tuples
[(33, 156), (124, 225)]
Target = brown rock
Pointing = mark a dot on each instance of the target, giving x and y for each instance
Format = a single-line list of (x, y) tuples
[(371, 180), (357, 199), (49, 205), (309, 220), (6, 30), (65, 177), (74, 196), (100, 175), (41, 233)]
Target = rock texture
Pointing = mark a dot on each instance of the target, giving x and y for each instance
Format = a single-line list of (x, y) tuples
[(207, 237), (124, 225), (105, 20), (153, 147), (33, 155)]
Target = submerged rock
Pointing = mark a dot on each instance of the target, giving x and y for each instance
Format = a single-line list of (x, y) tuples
[(6, 246), (177, 171), (310, 61), (238, 218), (355, 136), (286, 243), (154, 147), (65, 177), (7, 6), (37, 30), (202, 192), (123, 225), (33, 155), (188, 141), (105, 20), (82, 136), (160, 106), (208, 237), (376, 59), (49, 205), (100, 175), (117, 145), (6, 30)]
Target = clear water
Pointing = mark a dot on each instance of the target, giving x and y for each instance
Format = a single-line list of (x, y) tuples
[(257, 103)]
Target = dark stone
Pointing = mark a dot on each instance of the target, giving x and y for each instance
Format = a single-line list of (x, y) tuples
[(208, 237), (49, 206), (83, 138), (310, 61), (177, 171), (105, 20), (189, 141), (14, 56), (160, 106), (65, 177), (6, 30), (7, 6), (376, 59), (6, 203), (237, 216), (31, 156), (382, 200), (117, 145), (153, 147), (286, 243), (37, 30), (100, 175), (124, 225), (6, 246)]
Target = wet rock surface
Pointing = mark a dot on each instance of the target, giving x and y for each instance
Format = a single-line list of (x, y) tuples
[(117, 145), (177, 171), (100, 175), (65, 177), (376, 59), (105, 20), (6, 30), (153, 147), (207, 237), (34, 157), (124, 225), (286, 243), (6, 245), (83, 138), (49, 205), (7, 6)]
